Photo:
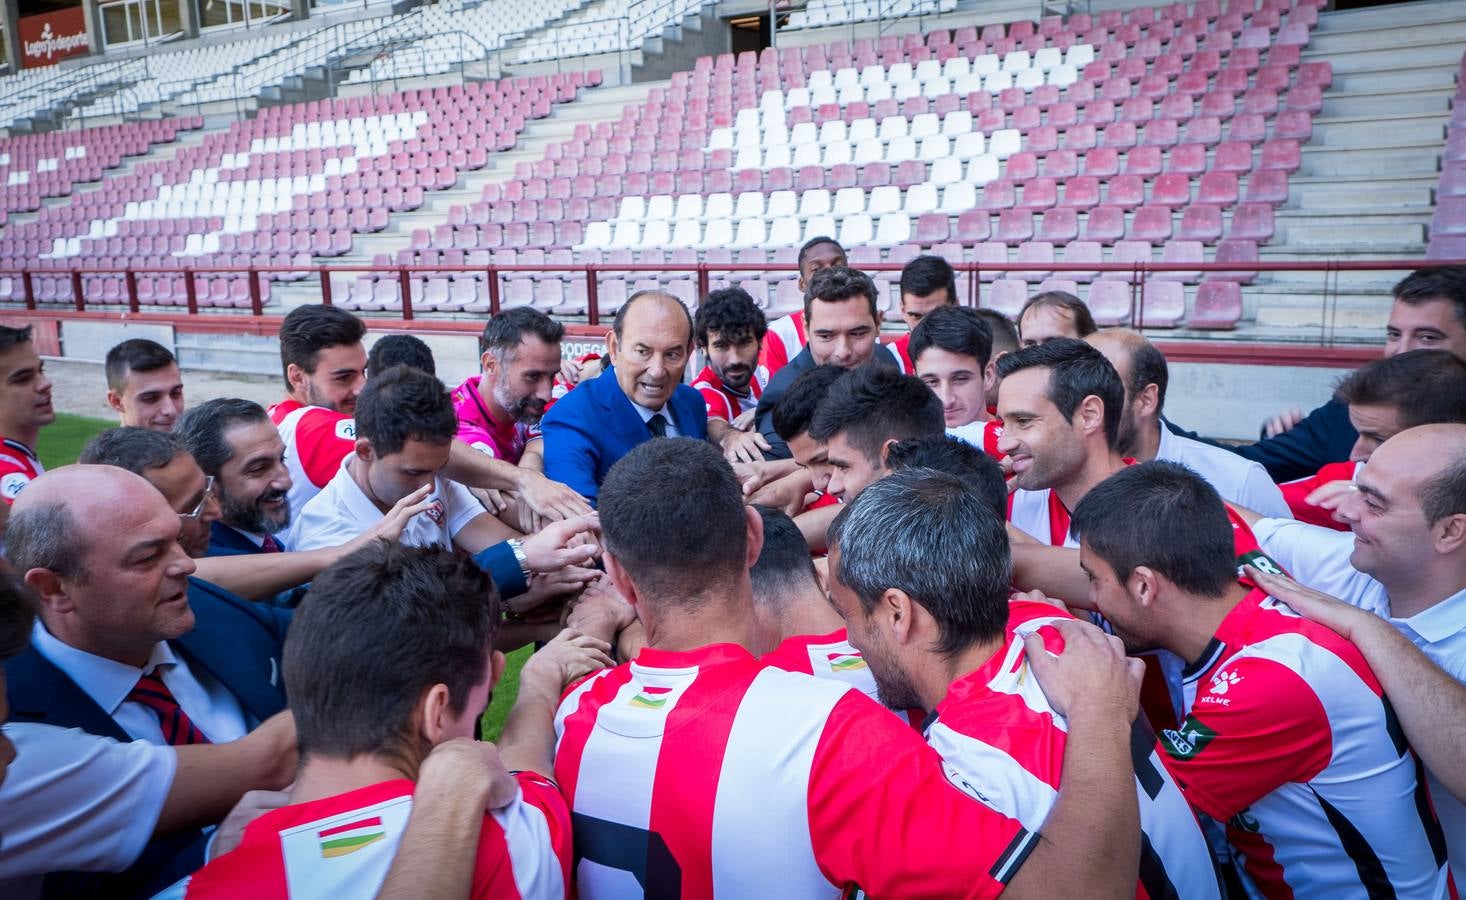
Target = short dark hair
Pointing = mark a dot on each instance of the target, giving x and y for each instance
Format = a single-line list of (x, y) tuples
[(927, 274), (1076, 371), (961, 460), (875, 404), (1424, 387), (504, 332), (659, 505), (309, 329), (815, 242), (1148, 366), (10, 337), (1083, 320), (17, 615), (795, 410), (1436, 283), (201, 429), (137, 450), (784, 564), (403, 404), (1163, 516), (732, 313), (135, 355), (955, 329), (400, 350), (930, 535), (1445, 494), (834, 284), (625, 310), (1005, 333), (376, 630)]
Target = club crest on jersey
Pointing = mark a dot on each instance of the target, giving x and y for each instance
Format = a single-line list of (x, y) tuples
[(346, 429), (435, 512), (846, 662), (651, 697), (351, 837), (11, 485), (1189, 740)]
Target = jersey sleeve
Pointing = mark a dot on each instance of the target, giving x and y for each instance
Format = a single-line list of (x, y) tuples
[(322, 439), (1255, 726), (913, 834), (524, 848), (1319, 558), (1295, 494), (460, 506), (14, 477), (77, 801), (474, 435), (716, 403)]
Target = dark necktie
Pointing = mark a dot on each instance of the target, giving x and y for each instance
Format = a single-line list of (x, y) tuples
[(178, 728), (657, 424), (270, 545)]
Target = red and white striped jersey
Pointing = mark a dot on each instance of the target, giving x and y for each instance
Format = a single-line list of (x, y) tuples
[(707, 774), (1290, 740), (19, 466), (782, 342), (983, 435), (316, 440), (722, 403), (996, 730), (342, 846), (902, 346), (1296, 494), (825, 656)]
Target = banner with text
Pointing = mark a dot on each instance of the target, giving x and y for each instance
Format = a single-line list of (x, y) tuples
[(47, 39)]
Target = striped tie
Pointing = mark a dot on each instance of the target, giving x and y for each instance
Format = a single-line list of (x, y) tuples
[(178, 728)]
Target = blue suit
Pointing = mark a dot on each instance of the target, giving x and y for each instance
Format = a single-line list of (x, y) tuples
[(226, 541), (591, 427), (237, 642)]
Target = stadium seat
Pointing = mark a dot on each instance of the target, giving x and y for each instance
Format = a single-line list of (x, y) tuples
[(1218, 305)]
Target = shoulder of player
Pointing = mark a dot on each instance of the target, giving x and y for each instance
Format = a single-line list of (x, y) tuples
[(1313, 650)]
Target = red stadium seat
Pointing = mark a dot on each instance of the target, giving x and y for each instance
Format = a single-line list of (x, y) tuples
[(1200, 222), (1218, 305), (1105, 224)]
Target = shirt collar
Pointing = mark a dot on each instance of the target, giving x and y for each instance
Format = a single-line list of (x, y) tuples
[(355, 499), (106, 681), (257, 539), (1167, 448), (646, 413), (1438, 622)]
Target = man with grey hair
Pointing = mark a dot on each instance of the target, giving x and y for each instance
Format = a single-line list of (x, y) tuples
[(941, 634), (499, 410), (126, 645)]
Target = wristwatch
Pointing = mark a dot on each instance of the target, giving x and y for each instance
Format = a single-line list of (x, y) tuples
[(517, 545)]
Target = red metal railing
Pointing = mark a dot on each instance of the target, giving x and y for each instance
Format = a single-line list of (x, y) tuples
[(702, 272)]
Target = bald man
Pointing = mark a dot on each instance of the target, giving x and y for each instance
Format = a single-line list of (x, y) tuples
[(127, 645), (1403, 558), (1143, 371), (588, 430)]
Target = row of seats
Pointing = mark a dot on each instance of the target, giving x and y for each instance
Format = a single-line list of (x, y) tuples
[(1448, 226)]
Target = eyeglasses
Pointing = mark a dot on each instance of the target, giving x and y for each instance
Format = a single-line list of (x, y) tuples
[(203, 501)]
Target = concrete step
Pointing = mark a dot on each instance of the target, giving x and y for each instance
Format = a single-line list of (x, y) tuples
[(1329, 232), (1351, 104), (1348, 47), (1399, 77), (1368, 132), (1338, 199), (1383, 17), (1380, 160)]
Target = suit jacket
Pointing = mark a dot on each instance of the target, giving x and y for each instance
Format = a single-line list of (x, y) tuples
[(1324, 436), (591, 427), (237, 642), (225, 541)]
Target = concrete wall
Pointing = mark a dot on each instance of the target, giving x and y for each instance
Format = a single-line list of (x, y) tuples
[(1232, 401)]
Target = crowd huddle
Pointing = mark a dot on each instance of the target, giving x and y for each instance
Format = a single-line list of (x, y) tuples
[(957, 615)]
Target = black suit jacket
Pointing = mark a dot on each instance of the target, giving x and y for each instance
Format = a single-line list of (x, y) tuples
[(237, 642)]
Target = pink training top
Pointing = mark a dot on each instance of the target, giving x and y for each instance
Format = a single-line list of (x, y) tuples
[(481, 431)]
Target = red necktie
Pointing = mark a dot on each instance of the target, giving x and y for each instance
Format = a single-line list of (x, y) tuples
[(270, 545), (178, 728)]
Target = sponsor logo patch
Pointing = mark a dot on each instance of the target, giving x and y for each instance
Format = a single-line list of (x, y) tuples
[(1187, 741), (846, 662), (11, 485), (351, 837), (346, 429), (651, 697)]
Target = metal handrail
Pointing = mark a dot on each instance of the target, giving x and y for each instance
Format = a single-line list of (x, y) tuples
[(973, 271)]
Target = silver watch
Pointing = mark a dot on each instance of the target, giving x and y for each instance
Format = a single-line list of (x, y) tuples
[(517, 545)]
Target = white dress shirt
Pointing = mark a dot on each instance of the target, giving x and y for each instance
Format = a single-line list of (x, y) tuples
[(73, 801), (1319, 558), (1239, 480), (646, 414), (342, 511), (212, 708)]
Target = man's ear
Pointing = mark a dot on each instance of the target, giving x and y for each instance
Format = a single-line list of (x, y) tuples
[(295, 376), (364, 450), (114, 400), (1092, 414), (497, 661), (488, 363), (886, 454), (613, 347), (1143, 585), (754, 524), (896, 609), (990, 376), (48, 587), (435, 713), (1148, 401), (1449, 534), (620, 579)]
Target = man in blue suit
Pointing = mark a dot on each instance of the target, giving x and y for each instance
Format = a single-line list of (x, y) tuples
[(128, 646), (639, 397)]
